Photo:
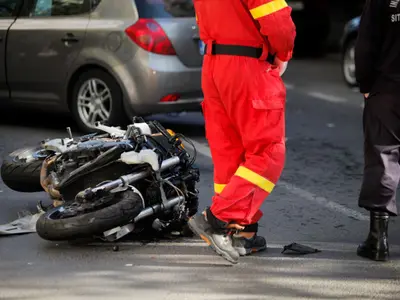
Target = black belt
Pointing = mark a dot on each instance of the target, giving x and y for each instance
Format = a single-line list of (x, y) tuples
[(218, 49)]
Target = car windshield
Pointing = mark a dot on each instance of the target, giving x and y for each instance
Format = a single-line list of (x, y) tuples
[(165, 8)]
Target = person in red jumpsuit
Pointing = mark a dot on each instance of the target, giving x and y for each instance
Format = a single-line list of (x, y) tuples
[(247, 42)]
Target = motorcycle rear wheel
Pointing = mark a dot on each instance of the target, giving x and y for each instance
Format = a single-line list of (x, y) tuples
[(126, 206), (20, 170)]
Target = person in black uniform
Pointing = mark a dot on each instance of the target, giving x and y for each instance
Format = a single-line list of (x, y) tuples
[(377, 59)]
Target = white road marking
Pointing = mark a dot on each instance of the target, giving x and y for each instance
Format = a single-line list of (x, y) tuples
[(289, 86), (186, 242), (306, 195), (206, 259), (327, 97)]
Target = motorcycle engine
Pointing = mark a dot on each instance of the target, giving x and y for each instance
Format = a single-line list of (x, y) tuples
[(71, 161), (81, 161)]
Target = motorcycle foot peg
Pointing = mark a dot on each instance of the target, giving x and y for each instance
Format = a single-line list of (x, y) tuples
[(158, 225), (117, 233)]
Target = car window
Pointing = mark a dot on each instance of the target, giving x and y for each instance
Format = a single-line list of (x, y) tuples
[(165, 8), (8, 8), (51, 8)]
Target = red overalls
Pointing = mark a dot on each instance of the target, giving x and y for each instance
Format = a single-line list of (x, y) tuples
[(244, 102)]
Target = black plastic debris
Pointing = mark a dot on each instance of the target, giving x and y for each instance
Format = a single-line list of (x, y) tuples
[(296, 248)]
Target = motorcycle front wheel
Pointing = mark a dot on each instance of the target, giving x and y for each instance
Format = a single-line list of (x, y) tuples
[(67, 223)]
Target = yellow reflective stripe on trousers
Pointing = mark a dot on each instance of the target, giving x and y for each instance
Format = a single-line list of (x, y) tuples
[(268, 8), (218, 188), (255, 179)]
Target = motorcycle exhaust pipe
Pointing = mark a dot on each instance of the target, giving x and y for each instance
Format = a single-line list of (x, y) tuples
[(120, 231), (149, 211), (131, 178)]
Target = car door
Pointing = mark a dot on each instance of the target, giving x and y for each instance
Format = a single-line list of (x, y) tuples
[(42, 47), (8, 12)]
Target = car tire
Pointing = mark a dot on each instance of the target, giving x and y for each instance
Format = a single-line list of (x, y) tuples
[(109, 99), (348, 64)]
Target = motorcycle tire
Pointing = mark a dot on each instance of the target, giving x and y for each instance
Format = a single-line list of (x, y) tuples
[(128, 205), (22, 175)]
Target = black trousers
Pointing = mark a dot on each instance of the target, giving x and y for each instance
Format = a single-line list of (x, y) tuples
[(381, 123)]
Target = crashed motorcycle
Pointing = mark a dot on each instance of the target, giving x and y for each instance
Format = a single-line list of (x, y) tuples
[(110, 183)]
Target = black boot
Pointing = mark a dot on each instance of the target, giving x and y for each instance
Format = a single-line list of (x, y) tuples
[(376, 246), (245, 246)]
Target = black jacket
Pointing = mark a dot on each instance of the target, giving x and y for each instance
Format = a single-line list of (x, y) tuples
[(377, 53)]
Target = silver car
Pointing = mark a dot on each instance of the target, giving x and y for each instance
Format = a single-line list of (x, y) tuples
[(102, 60)]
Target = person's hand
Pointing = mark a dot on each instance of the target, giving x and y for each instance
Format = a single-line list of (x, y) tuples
[(366, 95), (235, 226), (281, 65)]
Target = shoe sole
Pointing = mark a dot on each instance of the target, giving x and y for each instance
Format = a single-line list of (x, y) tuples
[(245, 252), (210, 242), (376, 256)]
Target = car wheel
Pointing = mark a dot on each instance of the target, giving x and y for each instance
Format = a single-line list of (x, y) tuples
[(96, 96), (348, 64)]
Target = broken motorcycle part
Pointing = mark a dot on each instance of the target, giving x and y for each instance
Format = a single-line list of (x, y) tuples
[(296, 248), (108, 185)]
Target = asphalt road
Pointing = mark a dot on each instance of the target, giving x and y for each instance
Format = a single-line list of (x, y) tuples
[(315, 203)]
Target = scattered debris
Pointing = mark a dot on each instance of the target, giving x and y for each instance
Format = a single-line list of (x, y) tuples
[(299, 249), (26, 223)]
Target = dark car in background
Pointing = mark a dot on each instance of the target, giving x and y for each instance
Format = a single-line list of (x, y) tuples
[(341, 11), (312, 21), (348, 42), (319, 23)]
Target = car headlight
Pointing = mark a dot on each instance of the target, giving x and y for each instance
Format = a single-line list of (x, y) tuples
[(353, 24)]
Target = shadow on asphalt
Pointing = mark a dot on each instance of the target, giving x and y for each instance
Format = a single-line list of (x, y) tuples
[(189, 124), (21, 117), (199, 274)]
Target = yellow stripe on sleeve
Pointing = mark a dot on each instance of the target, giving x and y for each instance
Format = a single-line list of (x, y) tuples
[(268, 8)]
